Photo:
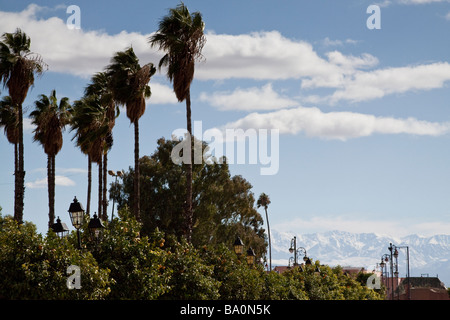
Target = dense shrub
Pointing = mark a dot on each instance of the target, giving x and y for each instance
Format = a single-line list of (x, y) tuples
[(34, 267), (126, 265)]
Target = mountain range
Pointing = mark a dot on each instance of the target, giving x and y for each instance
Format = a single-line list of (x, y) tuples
[(428, 256)]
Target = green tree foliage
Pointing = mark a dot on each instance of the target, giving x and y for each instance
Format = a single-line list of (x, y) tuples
[(35, 267), (224, 206), (127, 265), (137, 264), (192, 278)]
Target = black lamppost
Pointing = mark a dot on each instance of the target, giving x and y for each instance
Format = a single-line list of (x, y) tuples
[(294, 249), (250, 256), (391, 250), (60, 228), (384, 270), (76, 213), (96, 228), (238, 246), (394, 253)]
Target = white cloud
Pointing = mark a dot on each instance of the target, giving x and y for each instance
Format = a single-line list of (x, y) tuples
[(161, 94), (250, 99), (263, 55), (336, 125), (327, 42), (62, 170), (42, 183), (260, 56), (369, 85), (28, 127)]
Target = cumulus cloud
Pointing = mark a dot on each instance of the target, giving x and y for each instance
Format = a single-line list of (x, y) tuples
[(42, 183), (378, 83), (250, 99), (258, 56), (266, 55), (78, 52), (73, 51), (336, 125), (161, 94)]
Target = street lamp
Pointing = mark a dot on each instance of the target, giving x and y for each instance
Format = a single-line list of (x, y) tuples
[(238, 246), (60, 228), (76, 213), (95, 228), (394, 252), (294, 249), (384, 271), (250, 256)]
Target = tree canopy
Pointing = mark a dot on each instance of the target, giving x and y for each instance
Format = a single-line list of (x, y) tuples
[(224, 204)]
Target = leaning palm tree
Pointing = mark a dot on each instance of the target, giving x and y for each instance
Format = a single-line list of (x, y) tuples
[(180, 36), (50, 119), (18, 66), (129, 85), (9, 121), (264, 201)]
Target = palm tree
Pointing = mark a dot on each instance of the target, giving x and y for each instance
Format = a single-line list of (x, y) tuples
[(264, 201), (129, 85), (181, 36), (50, 119), (18, 66), (99, 87), (91, 130), (9, 121)]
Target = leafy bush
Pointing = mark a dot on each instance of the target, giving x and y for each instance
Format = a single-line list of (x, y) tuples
[(191, 278), (33, 267), (137, 264), (127, 265)]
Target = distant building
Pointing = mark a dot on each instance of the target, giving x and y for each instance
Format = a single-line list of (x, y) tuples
[(422, 288), (281, 269)]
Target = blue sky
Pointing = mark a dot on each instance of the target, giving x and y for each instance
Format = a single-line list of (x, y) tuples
[(363, 115)]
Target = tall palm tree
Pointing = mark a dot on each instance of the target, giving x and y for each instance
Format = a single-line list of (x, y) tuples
[(50, 119), (99, 87), (91, 130), (181, 36), (9, 121), (264, 201), (18, 66), (129, 85)]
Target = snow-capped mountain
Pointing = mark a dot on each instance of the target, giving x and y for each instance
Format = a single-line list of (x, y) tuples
[(428, 256)]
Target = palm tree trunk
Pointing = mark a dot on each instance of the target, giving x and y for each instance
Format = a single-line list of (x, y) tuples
[(270, 245), (100, 189), (188, 208), (16, 177), (137, 194), (51, 190), (20, 186), (105, 172), (88, 205)]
